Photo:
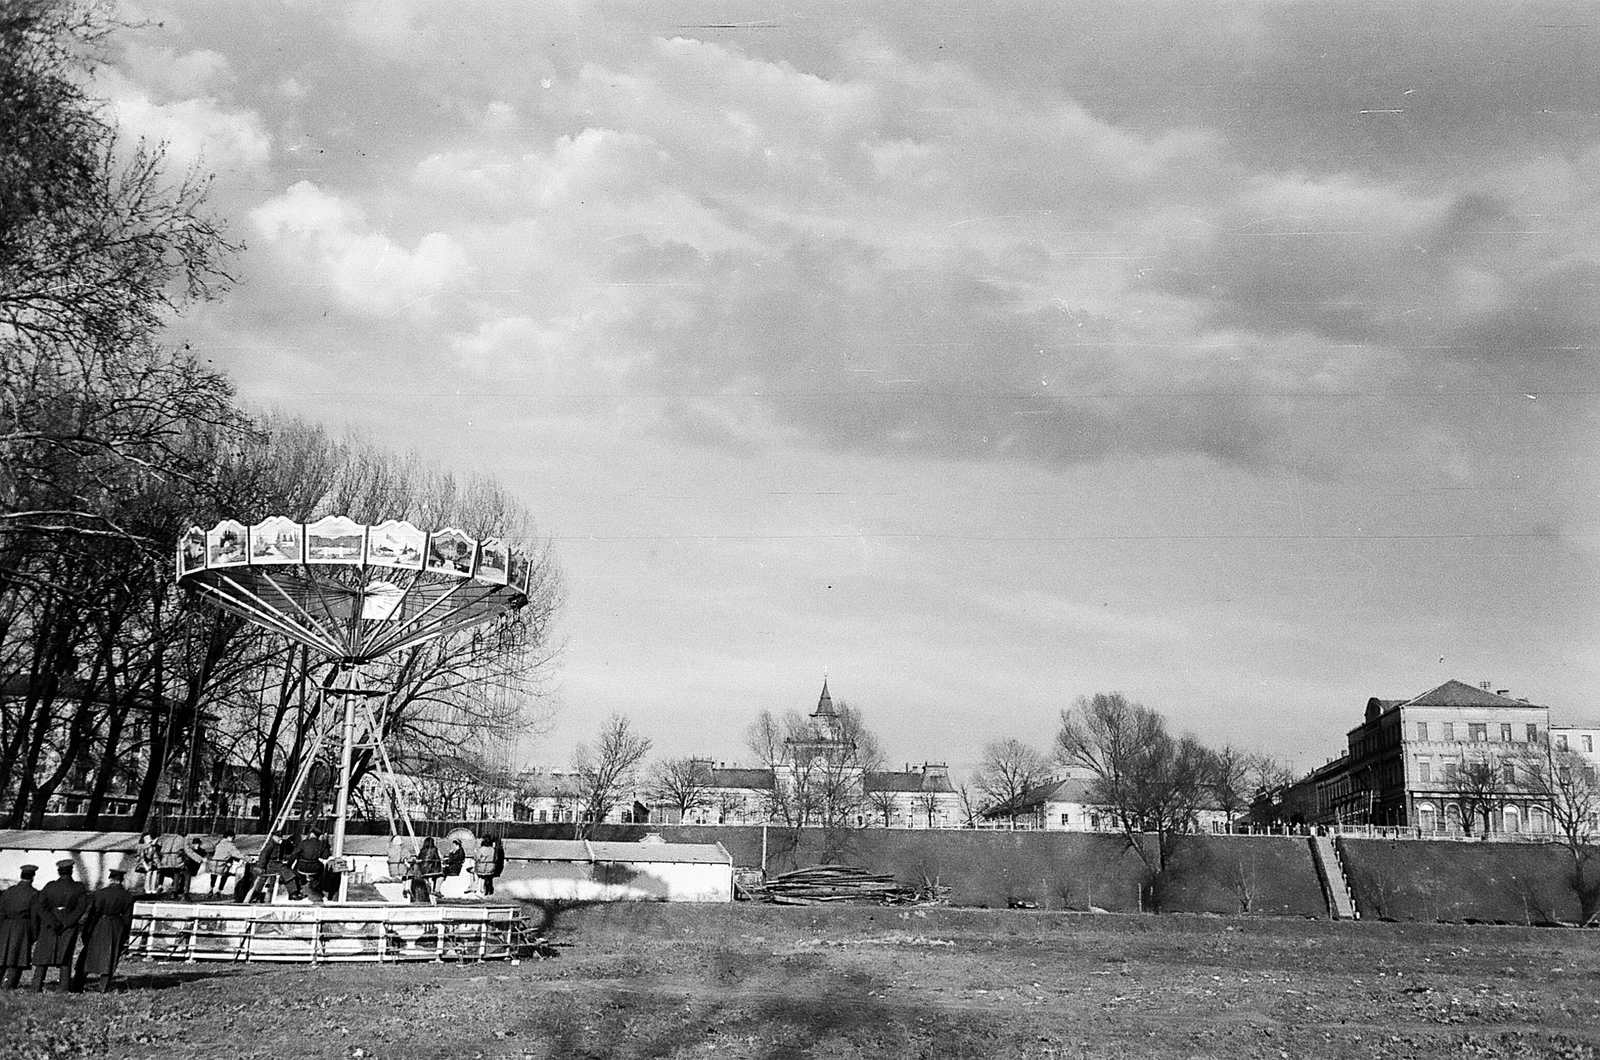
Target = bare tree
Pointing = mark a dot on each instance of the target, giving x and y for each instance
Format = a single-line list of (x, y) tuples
[(1564, 784), (883, 804), (1231, 784), (1477, 790), (607, 771), (1152, 781), (1009, 770), (968, 806), (681, 784), (926, 803)]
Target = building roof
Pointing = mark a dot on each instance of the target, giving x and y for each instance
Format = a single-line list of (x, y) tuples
[(914, 780), (1455, 693), (84, 842), (753, 779), (1066, 789)]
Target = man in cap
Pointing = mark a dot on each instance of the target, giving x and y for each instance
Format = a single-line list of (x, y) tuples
[(106, 930), (58, 912), (16, 928)]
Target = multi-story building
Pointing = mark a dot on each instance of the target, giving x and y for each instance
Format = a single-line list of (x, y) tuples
[(1415, 763)]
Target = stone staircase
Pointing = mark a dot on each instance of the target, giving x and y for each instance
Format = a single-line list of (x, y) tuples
[(1334, 887)]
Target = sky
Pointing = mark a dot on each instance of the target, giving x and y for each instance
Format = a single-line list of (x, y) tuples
[(1238, 357)]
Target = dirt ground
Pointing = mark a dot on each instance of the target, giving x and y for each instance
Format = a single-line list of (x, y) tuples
[(776, 983)]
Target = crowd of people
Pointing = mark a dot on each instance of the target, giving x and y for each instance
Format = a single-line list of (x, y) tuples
[(168, 864), (420, 863), (64, 926)]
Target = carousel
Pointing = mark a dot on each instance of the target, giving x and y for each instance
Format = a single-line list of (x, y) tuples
[(352, 593)]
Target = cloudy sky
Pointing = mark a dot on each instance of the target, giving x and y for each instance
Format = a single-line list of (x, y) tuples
[(1239, 357)]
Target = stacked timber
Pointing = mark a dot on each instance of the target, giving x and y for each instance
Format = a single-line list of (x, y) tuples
[(838, 883)]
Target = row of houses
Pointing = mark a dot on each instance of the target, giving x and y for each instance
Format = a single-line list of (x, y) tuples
[(1402, 768), (816, 780)]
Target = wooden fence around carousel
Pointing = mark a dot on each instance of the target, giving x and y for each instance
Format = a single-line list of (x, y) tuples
[(318, 934)]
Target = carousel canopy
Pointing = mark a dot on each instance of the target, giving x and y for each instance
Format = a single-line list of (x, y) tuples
[(352, 591)]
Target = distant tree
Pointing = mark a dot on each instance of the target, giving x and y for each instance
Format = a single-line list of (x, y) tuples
[(884, 805), (926, 803), (1564, 784), (681, 784), (1153, 782), (969, 805), (1009, 770), (1232, 781), (1477, 789), (607, 771)]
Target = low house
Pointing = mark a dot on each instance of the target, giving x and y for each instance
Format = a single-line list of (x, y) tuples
[(1065, 805), (912, 798)]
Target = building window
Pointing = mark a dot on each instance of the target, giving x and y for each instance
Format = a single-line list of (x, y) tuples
[(1477, 730), (1533, 734), (1449, 767), (1425, 771), (1449, 732), (1505, 733), (1588, 775), (1561, 742), (1422, 731), (544, 815), (1588, 744), (1063, 820), (1508, 773)]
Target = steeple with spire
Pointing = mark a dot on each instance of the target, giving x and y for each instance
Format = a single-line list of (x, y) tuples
[(825, 703)]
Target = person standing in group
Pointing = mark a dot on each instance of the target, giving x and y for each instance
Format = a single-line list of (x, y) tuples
[(107, 926), (488, 862), (169, 861), (454, 860), (268, 868), (16, 927), (194, 859), (147, 863), (58, 913), (227, 865), (425, 872), (309, 855)]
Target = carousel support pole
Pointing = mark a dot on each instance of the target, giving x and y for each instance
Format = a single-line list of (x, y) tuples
[(342, 806)]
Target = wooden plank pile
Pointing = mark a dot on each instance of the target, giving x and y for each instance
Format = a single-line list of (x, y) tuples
[(837, 883)]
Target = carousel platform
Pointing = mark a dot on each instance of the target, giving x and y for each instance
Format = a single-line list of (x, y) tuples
[(316, 933)]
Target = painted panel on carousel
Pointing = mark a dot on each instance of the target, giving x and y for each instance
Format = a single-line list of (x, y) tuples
[(335, 540), (192, 551), (396, 543), (450, 551), (277, 539), (494, 558), (225, 544), (518, 570)]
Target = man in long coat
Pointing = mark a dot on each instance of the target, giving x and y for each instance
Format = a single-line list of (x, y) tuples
[(58, 913), (106, 930), (16, 928)]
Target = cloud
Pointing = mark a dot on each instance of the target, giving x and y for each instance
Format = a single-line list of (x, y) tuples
[(199, 129), (323, 240)]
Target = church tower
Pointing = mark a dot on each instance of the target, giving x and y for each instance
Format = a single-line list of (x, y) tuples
[(823, 719)]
